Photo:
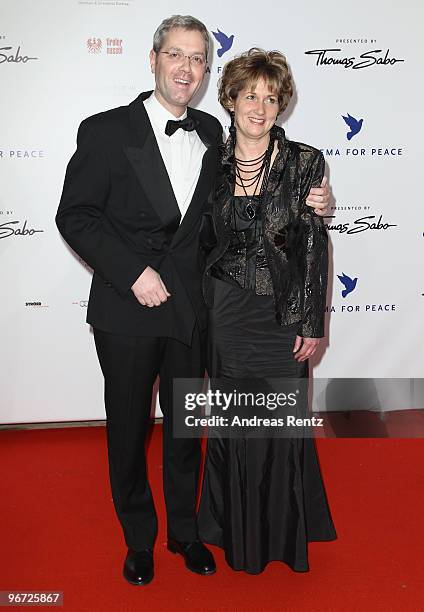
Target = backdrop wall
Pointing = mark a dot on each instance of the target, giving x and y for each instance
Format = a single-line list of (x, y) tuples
[(61, 61)]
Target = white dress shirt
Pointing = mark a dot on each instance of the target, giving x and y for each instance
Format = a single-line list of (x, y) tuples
[(182, 153)]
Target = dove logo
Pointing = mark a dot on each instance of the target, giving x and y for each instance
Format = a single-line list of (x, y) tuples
[(355, 125), (225, 41), (348, 283)]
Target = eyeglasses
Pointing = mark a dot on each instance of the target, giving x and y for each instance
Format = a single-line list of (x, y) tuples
[(176, 56)]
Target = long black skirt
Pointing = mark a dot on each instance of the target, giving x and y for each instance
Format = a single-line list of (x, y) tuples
[(262, 499)]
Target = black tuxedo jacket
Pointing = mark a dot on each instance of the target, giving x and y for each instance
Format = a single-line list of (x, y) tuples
[(119, 213)]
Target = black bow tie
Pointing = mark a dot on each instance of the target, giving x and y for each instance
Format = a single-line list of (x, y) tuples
[(187, 124)]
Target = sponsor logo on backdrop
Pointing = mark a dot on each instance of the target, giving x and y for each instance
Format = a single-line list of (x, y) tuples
[(112, 46), (348, 287), (13, 229), (348, 283), (81, 303), (369, 308), (355, 129), (36, 304), (355, 125), (21, 153), (370, 54), (94, 45), (359, 222), (225, 41), (14, 53)]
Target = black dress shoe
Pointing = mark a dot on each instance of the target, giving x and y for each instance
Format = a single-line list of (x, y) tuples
[(197, 557), (138, 566)]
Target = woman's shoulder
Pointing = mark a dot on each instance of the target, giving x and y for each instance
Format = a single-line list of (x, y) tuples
[(300, 149), (304, 150)]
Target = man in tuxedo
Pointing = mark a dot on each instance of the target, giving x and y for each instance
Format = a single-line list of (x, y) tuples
[(131, 208)]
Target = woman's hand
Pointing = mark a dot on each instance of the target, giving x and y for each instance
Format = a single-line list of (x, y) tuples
[(319, 197), (305, 347)]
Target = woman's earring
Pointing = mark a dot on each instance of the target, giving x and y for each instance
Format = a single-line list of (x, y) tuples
[(233, 126)]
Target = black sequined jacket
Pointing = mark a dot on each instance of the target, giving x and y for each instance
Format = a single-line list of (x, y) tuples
[(295, 238)]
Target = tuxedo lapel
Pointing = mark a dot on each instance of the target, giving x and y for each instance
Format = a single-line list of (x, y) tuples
[(148, 165), (206, 177), (205, 136), (200, 195)]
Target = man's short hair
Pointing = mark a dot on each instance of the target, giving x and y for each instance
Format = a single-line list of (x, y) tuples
[(179, 21)]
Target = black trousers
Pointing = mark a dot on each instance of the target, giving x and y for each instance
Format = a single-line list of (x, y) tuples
[(130, 366)]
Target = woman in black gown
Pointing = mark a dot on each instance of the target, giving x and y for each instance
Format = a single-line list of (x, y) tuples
[(262, 497)]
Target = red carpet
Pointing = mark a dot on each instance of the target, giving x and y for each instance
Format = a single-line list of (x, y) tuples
[(59, 532)]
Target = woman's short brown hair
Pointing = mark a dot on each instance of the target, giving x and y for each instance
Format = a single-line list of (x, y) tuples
[(251, 66)]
